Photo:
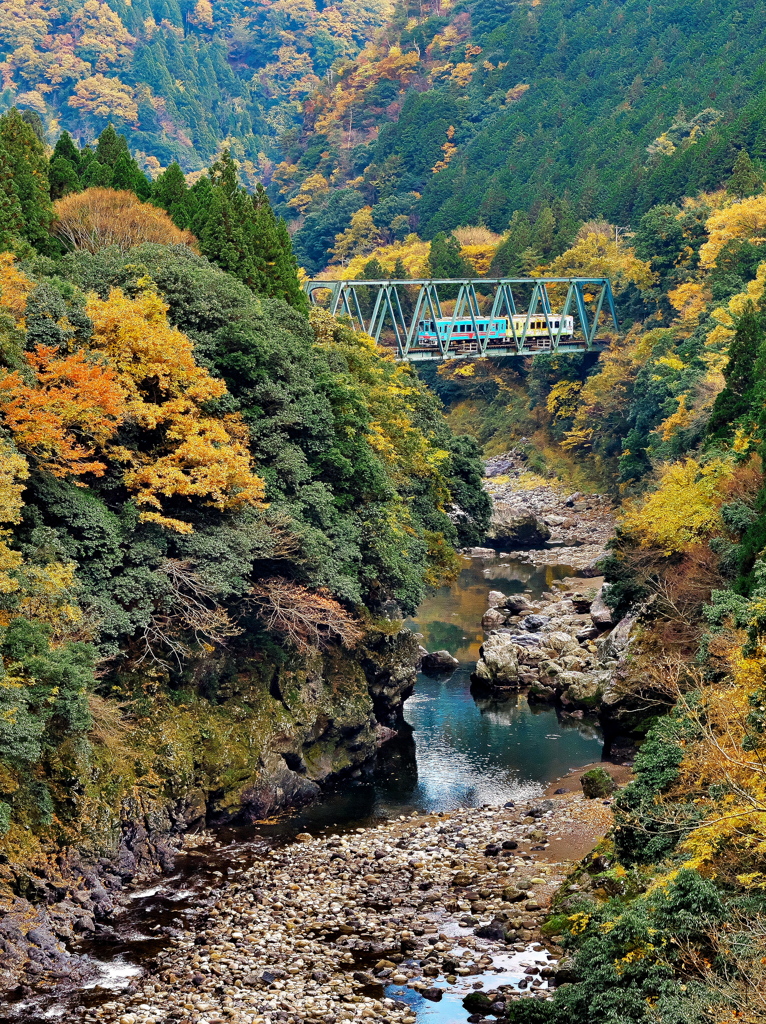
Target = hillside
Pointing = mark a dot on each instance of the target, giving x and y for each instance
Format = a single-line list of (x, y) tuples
[(180, 77), (462, 114)]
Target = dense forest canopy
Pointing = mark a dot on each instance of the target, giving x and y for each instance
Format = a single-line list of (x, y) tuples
[(190, 468)]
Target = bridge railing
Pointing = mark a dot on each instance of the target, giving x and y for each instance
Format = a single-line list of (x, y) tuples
[(397, 306)]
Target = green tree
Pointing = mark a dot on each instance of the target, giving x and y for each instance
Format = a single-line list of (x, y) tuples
[(445, 259), (11, 219), (171, 193), (544, 233), (745, 178), (742, 374), (112, 152), (63, 178), (26, 157), (507, 259)]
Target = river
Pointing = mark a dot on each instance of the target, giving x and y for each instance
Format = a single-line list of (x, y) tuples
[(457, 750)]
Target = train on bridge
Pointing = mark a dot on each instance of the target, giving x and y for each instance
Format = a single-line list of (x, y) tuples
[(473, 335), (496, 317)]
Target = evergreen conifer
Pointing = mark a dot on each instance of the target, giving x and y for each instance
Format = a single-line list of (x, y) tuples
[(740, 373), (745, 179), (26, 157), (171, 193), (63, 178), (445, 260), (66, 148), (11, 220)]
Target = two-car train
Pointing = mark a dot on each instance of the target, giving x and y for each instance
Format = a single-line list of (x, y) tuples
[(464, 335)]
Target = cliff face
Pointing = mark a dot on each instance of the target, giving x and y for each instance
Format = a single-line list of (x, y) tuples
[(264, 736)]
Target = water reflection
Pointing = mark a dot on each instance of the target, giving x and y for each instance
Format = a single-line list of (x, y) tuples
[(479, 749), (461, 749)]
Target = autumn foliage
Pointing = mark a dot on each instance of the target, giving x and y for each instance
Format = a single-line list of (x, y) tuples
[(100, 217), (186, 452), (72, 408)]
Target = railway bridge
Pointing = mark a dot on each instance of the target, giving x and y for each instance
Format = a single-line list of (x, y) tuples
[(494, 317)]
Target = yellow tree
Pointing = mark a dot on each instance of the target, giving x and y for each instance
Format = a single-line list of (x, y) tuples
[(105, 97), (359, 239), (746, 219), (184, 453), (599, 256)]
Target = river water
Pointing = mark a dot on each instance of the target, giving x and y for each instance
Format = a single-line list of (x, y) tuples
[(458, 750)]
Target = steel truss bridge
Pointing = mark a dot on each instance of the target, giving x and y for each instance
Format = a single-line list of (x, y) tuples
[(376, 307)]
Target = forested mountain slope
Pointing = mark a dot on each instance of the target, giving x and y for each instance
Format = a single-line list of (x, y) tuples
[(462, 114), (179, 76), (436, 115)]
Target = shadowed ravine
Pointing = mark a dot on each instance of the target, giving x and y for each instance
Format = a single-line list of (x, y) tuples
[(458, 751)]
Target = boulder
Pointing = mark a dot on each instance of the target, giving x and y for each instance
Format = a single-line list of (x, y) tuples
[(581, 688), (517, 603), (477, 1002), (493, 618), (534, 623), (581, 602), (498, 663), (600, 612), (438, 662), (597, 783), (495, 598), (616, 644), (481, 552), (511, 527)]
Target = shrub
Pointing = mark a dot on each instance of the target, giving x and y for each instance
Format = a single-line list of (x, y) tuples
[(100, 217)]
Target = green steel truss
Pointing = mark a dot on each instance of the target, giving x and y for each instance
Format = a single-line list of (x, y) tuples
[(589, 300)]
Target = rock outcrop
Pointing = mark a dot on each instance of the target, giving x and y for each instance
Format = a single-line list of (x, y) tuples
[(512, 528), (291, 730)]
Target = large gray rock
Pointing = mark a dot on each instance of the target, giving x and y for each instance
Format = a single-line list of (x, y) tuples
[(498, 663), (600, 612), (583, 689), (493, 618), (616, 644), (516, 529), (439, 662)]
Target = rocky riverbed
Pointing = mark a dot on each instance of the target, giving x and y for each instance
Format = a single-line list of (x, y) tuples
[(555, 525), (352, 927), (565, 647)]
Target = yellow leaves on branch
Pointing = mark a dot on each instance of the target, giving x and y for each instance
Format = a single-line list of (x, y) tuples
[(311, 188), (187, 453), (745, 219), (563, 398), (13, 471), (689, 300), (14, 288), (73, 407), (202, 14), (598, 256), (359, 239), (683, 510), (100, 217), (478, 245), (105, 97), (448, 149), (413, 253), (98, 31)]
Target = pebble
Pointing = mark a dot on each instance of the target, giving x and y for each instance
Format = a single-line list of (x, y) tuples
[(294, 939)]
